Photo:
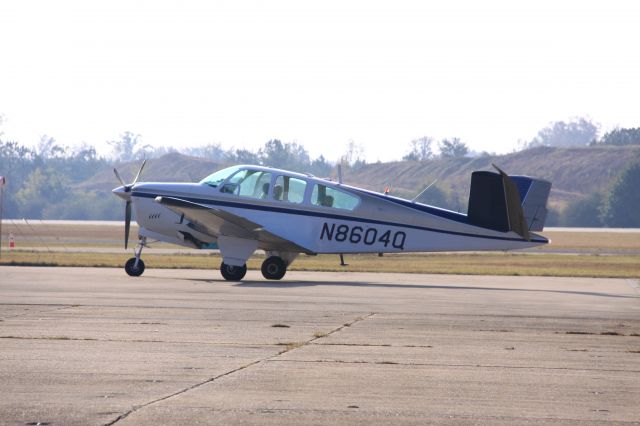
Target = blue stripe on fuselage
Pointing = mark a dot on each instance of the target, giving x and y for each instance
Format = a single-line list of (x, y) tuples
[(446, 214)]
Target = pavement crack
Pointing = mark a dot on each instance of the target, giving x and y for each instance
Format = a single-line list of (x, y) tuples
[(427, 364), (288, 347), (57, 308), (375, 345), (342, 327), (181, 391)]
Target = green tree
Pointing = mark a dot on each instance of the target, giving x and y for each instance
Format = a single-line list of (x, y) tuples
[(420, 149), (284, 155), (213, 152), (83, 163), (453, 148), (49, 148), (553, 217), (621, 137), (41, 189), (244, 156), (16, 163), (321, 167), (85, 205), (622, 207), (353, 156), (577, 132), (584, 212), (129, 148)]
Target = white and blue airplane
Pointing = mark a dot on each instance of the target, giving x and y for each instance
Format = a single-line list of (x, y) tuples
[(245, 208)]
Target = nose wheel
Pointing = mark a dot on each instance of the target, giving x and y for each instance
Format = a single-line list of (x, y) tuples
[(135, 266)]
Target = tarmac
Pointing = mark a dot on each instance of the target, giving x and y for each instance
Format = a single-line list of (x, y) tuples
[(92, 346)]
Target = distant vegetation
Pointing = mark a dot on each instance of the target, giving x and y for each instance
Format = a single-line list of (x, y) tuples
[(50, 181), (596, 179), (576, 132), (621, 137)]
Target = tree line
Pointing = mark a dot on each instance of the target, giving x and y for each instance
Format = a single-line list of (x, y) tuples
[(41, 180), (38, 180), (616, 208), (620, 204)]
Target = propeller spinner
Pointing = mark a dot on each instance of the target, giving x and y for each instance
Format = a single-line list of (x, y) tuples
[(124, 192)]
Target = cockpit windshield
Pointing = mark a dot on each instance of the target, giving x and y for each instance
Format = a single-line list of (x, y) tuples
[(218, 177)]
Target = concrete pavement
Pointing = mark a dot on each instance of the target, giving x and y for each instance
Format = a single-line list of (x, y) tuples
[(94, 346)]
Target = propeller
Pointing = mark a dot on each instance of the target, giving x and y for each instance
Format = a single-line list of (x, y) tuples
[(125, 192)]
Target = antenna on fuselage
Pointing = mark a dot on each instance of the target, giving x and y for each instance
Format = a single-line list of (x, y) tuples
[(340, 182), (423, 191)]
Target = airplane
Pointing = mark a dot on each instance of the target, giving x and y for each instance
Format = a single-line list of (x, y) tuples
[(245, 208)]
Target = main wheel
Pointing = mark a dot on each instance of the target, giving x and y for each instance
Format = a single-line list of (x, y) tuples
[(233, 273), (131, 269), (273, 268)]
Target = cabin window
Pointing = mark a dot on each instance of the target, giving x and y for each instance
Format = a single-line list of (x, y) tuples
[(289, 189), (330, 197), (248, 183)]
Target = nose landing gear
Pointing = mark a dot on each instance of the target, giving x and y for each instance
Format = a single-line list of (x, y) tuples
[(135, 266)]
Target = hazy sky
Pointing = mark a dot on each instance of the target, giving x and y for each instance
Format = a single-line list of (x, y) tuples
[(321, 73)]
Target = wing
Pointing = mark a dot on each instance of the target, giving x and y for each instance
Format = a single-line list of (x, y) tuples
[(216, 222)]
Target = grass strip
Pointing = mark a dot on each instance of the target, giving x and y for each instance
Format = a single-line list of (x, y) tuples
[(601, 266)]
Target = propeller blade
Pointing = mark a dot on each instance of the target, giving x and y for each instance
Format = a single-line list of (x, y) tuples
[(127, 223), (118, 176), (139, 171)]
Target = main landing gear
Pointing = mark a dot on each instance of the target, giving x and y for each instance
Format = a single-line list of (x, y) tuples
[(233, 273), (135, 266), (273, 268)]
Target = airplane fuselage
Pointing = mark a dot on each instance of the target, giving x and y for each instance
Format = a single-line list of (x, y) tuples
[(244, 208), (379, 223)]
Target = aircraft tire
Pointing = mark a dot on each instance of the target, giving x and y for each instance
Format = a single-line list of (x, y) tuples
[(273, 268), (233, 273), (133, 271)]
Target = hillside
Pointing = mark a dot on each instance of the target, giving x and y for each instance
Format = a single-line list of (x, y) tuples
[(574, 172), (172, 167)]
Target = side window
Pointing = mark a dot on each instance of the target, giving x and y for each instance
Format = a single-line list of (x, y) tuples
[(289, 189), (248, 183), (329, 197)]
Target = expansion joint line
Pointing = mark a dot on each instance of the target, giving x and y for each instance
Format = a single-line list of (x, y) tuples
[(342, 327), (197, 385), (56, 309), (244, 367)]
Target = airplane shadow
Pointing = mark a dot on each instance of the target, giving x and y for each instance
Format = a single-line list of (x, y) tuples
[(293, 284)]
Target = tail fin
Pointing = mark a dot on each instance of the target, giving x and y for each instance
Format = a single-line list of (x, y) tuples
[(503, 203)]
